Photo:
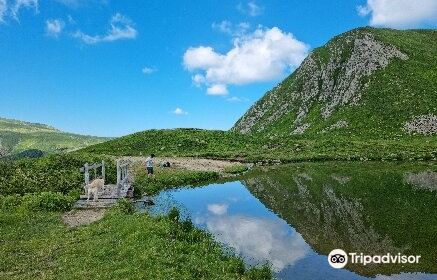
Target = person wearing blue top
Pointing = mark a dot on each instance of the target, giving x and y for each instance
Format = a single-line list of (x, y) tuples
[(149, 165)]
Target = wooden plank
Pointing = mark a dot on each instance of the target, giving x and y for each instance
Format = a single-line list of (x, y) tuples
[(93, 166)]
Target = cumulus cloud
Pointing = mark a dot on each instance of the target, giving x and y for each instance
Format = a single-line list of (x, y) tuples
[(218, 209), (217, 89), (121, 28), (12, 8), (148, 70), (399, 13), (54, 27), (264, 55), (179, 111), (250, 8)]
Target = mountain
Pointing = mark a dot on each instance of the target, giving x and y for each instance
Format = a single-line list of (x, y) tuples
[(367, 83), (29, 139)]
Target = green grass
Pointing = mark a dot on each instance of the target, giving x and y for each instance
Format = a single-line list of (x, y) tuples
[(168, 178), (36, 245)]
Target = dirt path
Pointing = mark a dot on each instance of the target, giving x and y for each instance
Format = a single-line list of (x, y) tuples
[(76, 218), (196, 164)]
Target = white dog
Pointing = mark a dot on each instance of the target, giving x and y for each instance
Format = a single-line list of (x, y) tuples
[(93, 188)]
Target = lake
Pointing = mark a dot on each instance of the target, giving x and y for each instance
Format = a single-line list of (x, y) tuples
[(293, 216)]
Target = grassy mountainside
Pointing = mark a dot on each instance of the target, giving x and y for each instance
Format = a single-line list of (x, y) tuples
[(18, 136), (366, 83)]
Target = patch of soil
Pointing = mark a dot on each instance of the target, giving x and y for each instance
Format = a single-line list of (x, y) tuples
[(76, 218), (196, 164)]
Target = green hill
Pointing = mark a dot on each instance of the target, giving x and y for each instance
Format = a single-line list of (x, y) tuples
[(18, 137), (180, 142), (365, 83)]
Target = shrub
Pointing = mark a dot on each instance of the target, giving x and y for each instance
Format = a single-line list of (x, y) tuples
[(47, 201), (125, 206), (10, 202), (260, 273), (236, 169), (174, 215), (44, 201), (55, 173)]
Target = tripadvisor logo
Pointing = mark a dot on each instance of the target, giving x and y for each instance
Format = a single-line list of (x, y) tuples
[(338, 258)]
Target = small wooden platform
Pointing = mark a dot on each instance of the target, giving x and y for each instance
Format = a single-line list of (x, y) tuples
[(108, 196)]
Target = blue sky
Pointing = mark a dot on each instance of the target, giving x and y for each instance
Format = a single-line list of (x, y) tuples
[(110, 68)]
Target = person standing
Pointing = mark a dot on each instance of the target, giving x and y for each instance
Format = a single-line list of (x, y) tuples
[(149, 165)]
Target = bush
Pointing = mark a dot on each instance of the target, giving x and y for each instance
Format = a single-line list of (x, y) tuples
[(44, 201), (10, 202), (125, 206), (55, 173), (260, 273), (174, 215), (236, 169)]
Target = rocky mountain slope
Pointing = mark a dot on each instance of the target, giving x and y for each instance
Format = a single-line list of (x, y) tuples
[(366, 82), (19, 136)]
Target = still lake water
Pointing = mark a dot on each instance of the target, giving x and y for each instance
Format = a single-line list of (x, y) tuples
[(293, 216)]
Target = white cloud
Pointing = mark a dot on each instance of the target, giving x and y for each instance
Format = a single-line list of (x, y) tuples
[(201, 58), (54, 27), (74, 4), (218, 209), (179, 111), (229, 28), (264, 55), (234, 99), (259, 240), (198, 79), (217, 89), (19, 4), (12, 8), (148, 70), (121, 28), (3, 10), (399, 13), (250, 8)]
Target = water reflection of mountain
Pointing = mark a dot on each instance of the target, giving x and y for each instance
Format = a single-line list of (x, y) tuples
[(373, 210)]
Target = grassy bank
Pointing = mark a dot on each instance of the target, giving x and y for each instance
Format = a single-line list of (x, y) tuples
[(169, 178), (36, 245)]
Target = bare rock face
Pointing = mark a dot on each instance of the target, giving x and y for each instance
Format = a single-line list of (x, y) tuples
[(425, 124), (331, 76)]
